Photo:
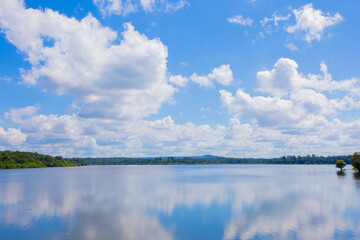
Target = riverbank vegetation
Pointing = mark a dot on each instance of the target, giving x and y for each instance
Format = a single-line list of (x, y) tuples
[(214, 160), (355, 161), (16, 159)]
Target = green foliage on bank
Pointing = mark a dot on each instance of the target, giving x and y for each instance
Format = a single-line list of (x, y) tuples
[(355, 160), (16, 159), (214, 160)]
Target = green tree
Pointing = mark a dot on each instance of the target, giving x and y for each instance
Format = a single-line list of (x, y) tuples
[(356, 164), (340, 164), (16, 159), (355, 157), (355, 160)]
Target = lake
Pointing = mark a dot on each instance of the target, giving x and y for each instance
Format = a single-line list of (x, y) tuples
[(180, 202)]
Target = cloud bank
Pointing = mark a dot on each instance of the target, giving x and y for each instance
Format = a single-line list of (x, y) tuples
[(117, 80)]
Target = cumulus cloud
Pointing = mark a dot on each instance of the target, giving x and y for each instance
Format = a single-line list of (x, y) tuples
[(266, 110), (281, 79), (296, 100), (301, 122), (312, 22), (239, 19), (285, 78), (124, 7), (178, 80), (221, 74), (81, 59), (16, 114), (52, 128), (115, 78), (278, 127), (203, 81), (11, 137)]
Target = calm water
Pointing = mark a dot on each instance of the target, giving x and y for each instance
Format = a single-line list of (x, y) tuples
[(179, 202)]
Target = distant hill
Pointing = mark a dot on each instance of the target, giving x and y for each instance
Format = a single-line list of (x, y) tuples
[(208, 156), (181, 157), (16, 159)]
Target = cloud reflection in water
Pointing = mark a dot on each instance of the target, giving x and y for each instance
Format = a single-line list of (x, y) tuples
[(127, 202)]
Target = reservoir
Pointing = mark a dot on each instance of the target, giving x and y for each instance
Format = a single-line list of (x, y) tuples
[(225, 202)]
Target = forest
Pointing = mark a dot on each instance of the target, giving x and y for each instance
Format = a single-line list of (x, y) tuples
[(16, 159), (207, 159)]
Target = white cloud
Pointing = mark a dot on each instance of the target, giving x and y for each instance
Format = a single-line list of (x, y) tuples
[(107, 80), (281, 79), (16, 115), (297, 100), (175, 6), (266, 110), (312, 102), (275, 18), (147, 5), (11, 137), (305, 110), (178, 80), (112, 82), (285, 77), (278, 127), (65, 126), (239, 19), (312, 22), (221, 74), (124, 7), (6, 79), (117, 7), (291, 46), (60, 135), (203, 81)]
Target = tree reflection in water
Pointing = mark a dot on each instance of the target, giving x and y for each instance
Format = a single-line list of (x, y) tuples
[(341, 173)]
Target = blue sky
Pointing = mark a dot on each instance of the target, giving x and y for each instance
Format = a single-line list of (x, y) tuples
[(239, 78)]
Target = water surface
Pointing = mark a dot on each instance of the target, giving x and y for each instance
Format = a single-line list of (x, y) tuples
[(180, 202)]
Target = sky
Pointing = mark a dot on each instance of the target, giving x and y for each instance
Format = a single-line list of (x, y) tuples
[(141, 78)]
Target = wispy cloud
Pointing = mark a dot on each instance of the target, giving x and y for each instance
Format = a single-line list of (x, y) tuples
[(6, 79), (239, 19), (275, 18), (125, 7), (312, 22)]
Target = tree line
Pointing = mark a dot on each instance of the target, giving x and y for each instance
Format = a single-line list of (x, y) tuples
[(16, 159), (313, 159), (355, 162)]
